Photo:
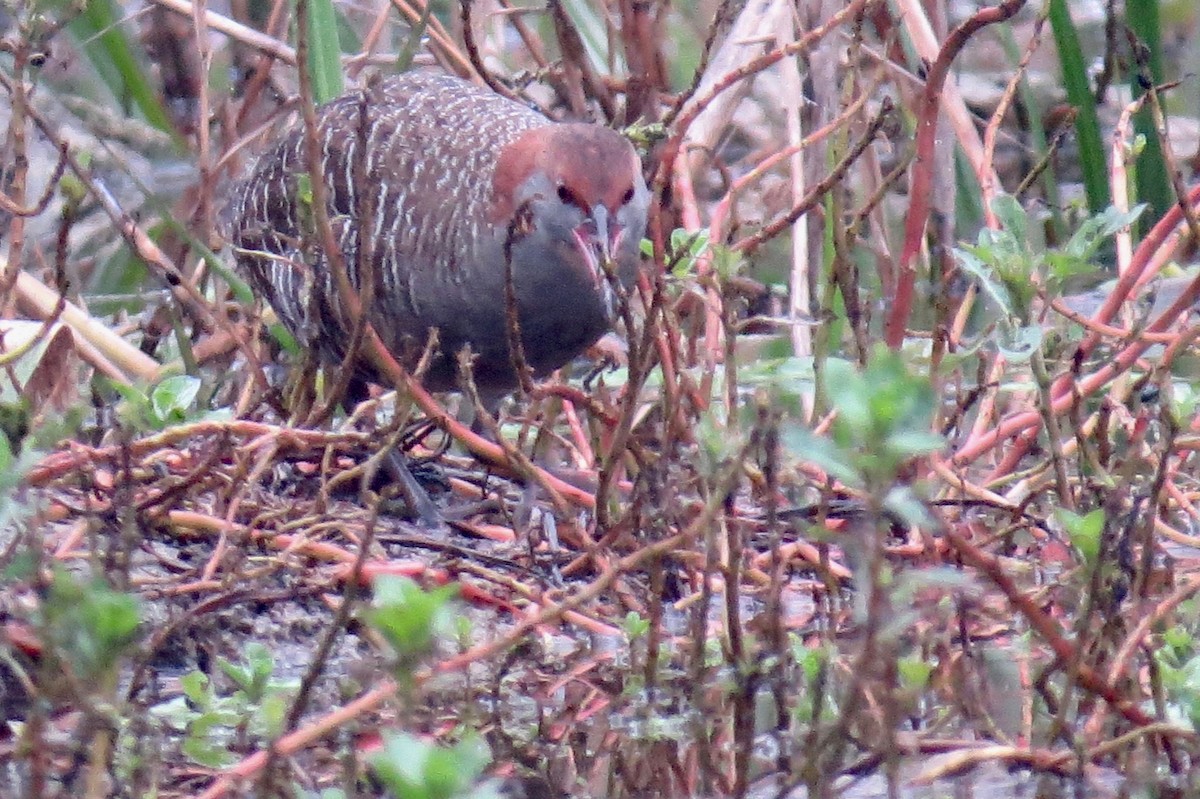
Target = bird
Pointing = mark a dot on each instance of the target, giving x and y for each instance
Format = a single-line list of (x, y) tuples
[(473, 195)]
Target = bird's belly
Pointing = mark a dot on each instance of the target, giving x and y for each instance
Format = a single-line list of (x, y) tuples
[(551, 334)]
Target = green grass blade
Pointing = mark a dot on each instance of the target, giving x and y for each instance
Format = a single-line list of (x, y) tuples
[(1153, 183), (118, 61), (324, 50), (1079, 94)]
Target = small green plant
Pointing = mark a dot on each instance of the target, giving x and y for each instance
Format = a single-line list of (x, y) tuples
[(411, 619), (1179, 663), (1084, 532), (635, 626), (13, 467), (87, 625), (411, 768), (812, 672), (171, 402), (218, 723), (1011, 263), (884, 419), (686, 248)]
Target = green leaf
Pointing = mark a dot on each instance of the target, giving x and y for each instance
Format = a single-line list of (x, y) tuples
[(111, 616), (1084, 531), (1063, 266), (253, 674), (195, 687), (173, 398), (324, 51), (836, 462), (635, 626), (1097, 228), (686, 249), (410, 618), (1113, 220), (1079, 95), (1012, 215), (810, 659), (284, 337), (1019, 345), (969, 261), (914, 672), (1178, 638), (272, 713), (207, 753), (1184, 400), (848, 393), (89, 624), (411, 768)]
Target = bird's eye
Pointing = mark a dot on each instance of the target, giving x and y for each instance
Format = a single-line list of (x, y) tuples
[(627, 197), (568, 197)]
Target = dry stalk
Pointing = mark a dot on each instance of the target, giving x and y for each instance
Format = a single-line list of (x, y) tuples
[(234, 30), (878, 125), (365, 267), (474, 55), (515, 459)]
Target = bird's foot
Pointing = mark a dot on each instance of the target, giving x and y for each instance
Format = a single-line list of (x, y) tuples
[(415, 497)]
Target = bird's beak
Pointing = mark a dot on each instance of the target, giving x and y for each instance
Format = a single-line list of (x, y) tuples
[(603, 244), (598, 238)]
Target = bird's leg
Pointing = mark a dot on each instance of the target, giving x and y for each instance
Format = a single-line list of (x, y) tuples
[(415, 496), (396, 465), (490, 401)]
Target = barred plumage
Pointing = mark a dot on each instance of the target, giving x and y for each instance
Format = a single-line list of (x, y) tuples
[(447, 165)]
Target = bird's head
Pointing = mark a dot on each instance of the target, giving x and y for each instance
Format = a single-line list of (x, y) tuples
[(577, 191)]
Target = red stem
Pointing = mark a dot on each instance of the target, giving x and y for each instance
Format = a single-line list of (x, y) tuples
[(920, 192)]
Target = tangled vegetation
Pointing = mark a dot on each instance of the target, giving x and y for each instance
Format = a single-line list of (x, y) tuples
[(892, 486)]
